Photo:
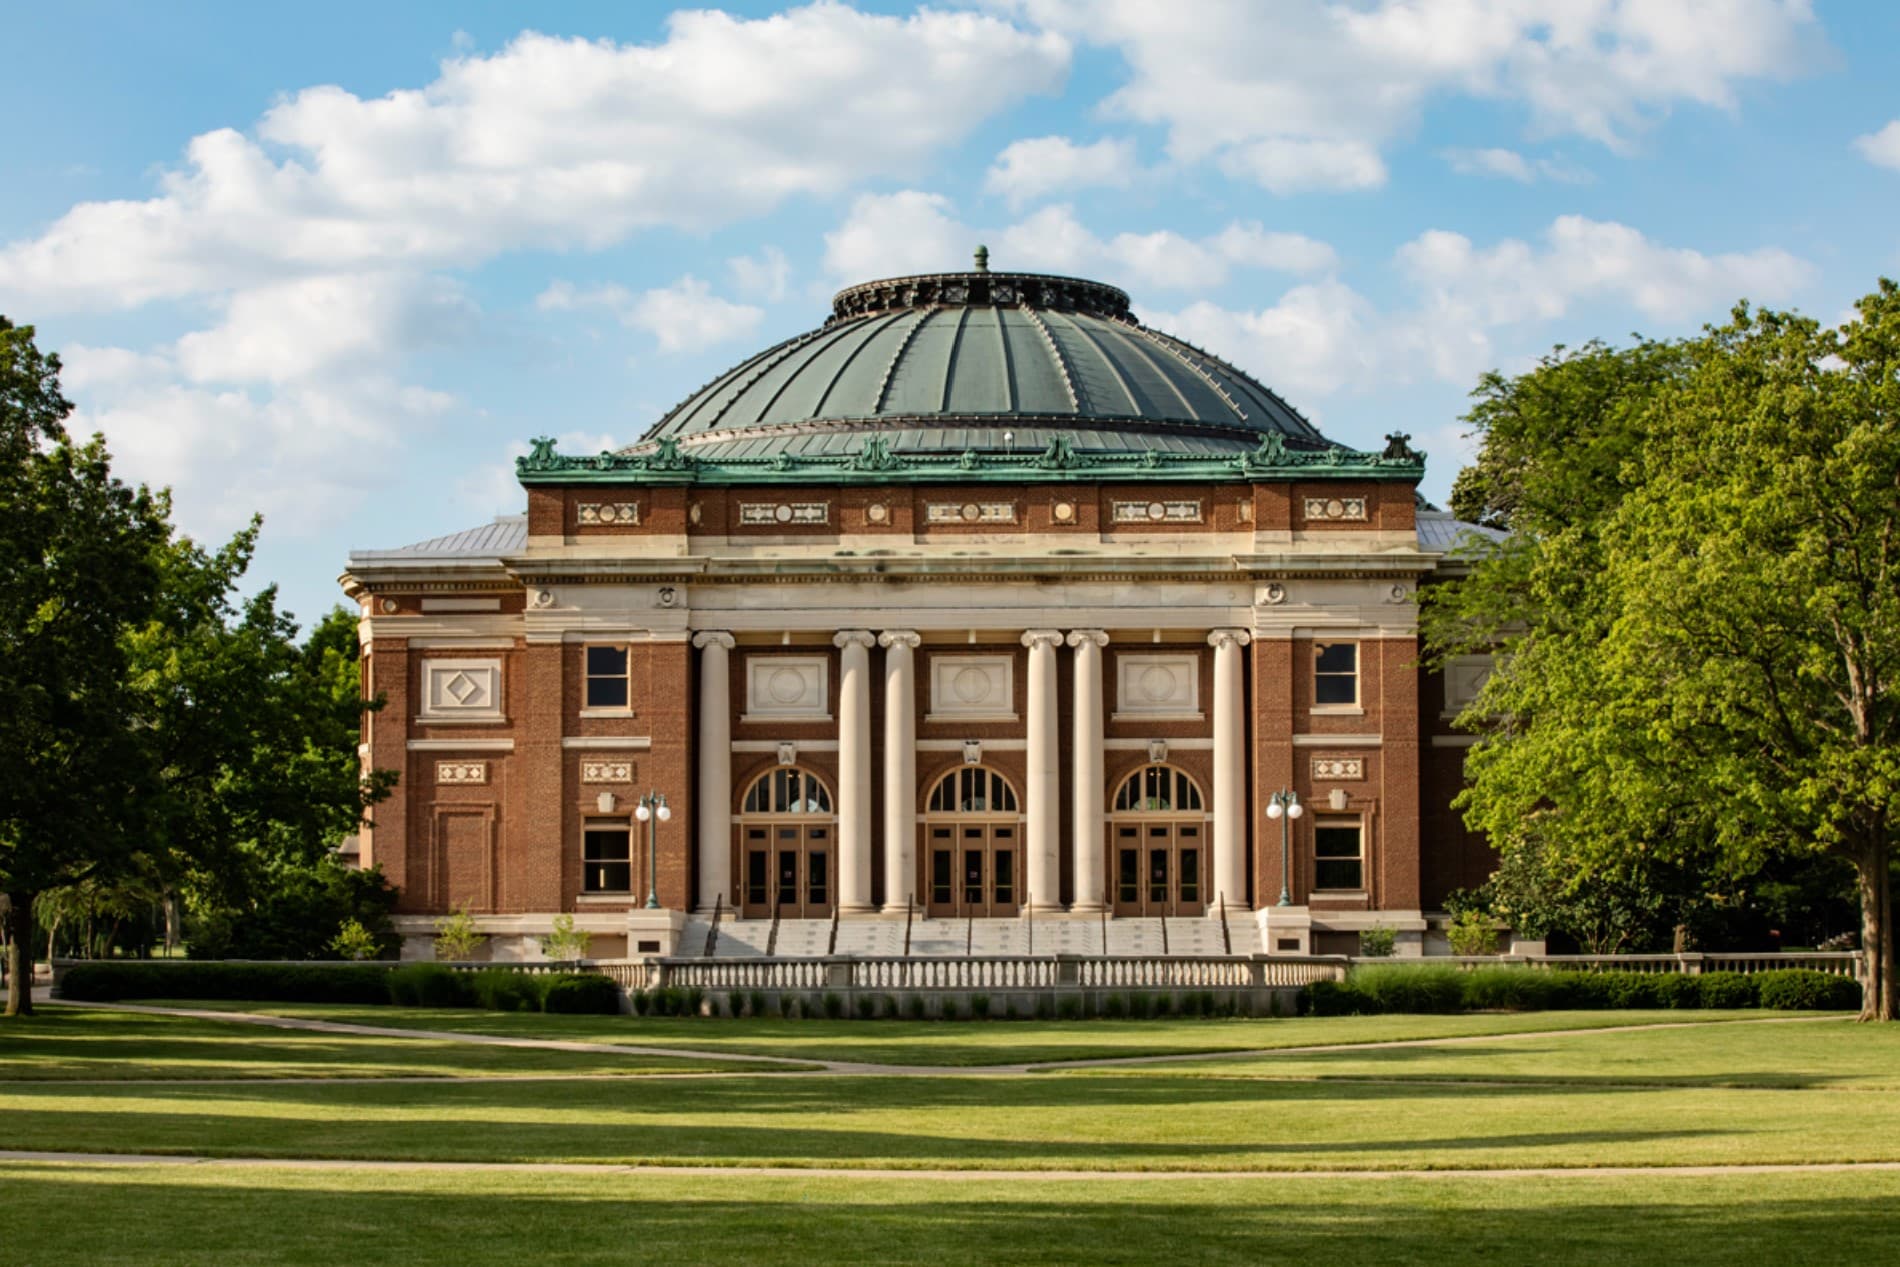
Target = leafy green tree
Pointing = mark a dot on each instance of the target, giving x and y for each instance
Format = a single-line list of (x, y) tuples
[(1711, 662)]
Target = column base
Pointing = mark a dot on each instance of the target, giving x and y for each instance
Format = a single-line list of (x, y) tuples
[(898, 911), (1087, 908), (1046, 908), (857, 910)]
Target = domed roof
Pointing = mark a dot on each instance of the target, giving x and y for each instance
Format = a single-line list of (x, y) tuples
[(980, 362)]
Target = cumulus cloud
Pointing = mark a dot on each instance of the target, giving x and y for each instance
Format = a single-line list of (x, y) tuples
[(1035, 168), (1309, 99), (683, 317), (1881, 148), (1511, 165), (911, 231), (762, 276)]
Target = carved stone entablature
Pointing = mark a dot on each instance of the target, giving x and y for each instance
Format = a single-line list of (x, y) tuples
[(970, 513), (1338, 769), (795, 514), (1339, 509), (606, 771), (461, 772), (1156, 512), (607, 513)]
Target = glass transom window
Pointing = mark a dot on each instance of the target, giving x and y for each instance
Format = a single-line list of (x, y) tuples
[(973, 790), (787, 791), (1158, 789)]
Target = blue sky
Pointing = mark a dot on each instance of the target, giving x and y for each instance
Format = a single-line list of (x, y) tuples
[(338, 263)]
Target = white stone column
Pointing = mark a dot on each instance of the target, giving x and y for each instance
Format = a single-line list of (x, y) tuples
[(1087, 755), (854, 772), (1230, 770), (712, 809), (900, 767), (1042, 864)]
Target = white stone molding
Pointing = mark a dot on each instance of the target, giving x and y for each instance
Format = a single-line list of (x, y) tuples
[(854, 770), (970, 512), (900, 767), (972, 752), (633, 743), (789, 514), (1087, 758), (606, 771), (714, 805), (1157, 750), (1157, 685), (786, 688), (492, 604), (972, 688), (1341, 509), (607, 513), (1338, 769), (1465, 676), (461, 690), (461, 772), (1175, 511), (461, 745), (788, 753), (1042, 870), (1338, 741), (1230, 767)]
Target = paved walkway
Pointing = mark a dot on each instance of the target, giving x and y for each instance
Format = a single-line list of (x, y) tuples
[(843, 1172)]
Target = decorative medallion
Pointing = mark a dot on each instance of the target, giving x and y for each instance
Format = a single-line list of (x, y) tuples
[(608, 512), (667, 596), (801, 513), (1172, 512), (1338, 769), (1065, 512), (1273, 593), (391, 607), (877, 512), (461, 772), (1341, 509), (694, 514), (606, 772), (544, 598), (970, 512)]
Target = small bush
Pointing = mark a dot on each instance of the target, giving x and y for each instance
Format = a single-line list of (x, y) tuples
[(1679, 990), (580, 993), (1115, 1006), (692, 1001), (1803, 989), (106, 980), (1378, 942), (755, 1003), (980, 1006), (1472, 932), (1420, 989), (833, 1004), (1335, 998), (1511, 990), (1069, 1008), (916, 1007), (566, 943), (456, 938), (500, 990), (354, 941), (1045, 1008), (1141, 1006), (430, 985), (1727, 990), (865, 1006)]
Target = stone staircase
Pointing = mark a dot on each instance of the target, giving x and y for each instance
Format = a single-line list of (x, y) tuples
[(1187, 936)]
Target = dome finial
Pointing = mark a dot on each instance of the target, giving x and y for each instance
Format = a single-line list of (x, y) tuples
[(982, 258)]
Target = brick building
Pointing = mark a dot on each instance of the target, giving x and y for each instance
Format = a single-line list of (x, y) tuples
[(980, 600)]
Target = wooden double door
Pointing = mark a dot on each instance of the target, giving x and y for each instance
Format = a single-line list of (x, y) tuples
[(972, 868), (1159, 866), (788, 869)]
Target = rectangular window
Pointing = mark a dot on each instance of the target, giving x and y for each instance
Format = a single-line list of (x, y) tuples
[(1336, 673), (1338, 854), (755, 877), (606, 677), (940, 875), (607, 858)]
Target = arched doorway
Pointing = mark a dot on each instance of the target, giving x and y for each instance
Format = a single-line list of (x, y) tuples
[(972, 845), (788, 846), (1157, 861)]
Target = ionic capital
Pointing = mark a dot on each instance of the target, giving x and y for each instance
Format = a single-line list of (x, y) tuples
[(854, 638), (1050, 638), (899, 638), (1222, 638), (713, 638), (1095, 637)]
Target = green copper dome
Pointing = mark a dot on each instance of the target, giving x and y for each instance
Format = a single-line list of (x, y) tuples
[(980, 363)]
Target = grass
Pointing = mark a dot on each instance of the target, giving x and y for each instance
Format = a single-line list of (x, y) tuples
[(965, 1043), (111, 1216)]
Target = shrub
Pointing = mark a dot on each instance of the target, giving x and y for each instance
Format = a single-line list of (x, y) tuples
[(1115, 1006), (105, 980), (430, 985), (1045, 1008), (1141, 1006), (1069, 1008), (917, 1007), (1512, 990), (980, 1006), (692, 1001), (1727, 990), (865, 1006), (1378, 942), (353, 941), (566, 943), (455, 936), (950, 1009), (574, 993), (500, 990), (1631, 989), (1803, 989), (833, 1004), (755, 1003), (1421, 989), (1679, 991), (1472, 932), (1336, 998)]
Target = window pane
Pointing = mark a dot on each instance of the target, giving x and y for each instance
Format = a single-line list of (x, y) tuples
[(1190, 875), (755, 876), (1336, 657), (1329, 689), (940, 875), (1127, 876), (1336, 842), (1005, 865), (816, 877), (1337, 874)]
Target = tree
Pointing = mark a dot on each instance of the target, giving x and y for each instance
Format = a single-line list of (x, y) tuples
[(77, 570), (1711, 661)]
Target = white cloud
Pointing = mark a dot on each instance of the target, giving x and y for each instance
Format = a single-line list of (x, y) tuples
[(547, 143), (893, 234), (762, 276), (494, 489), (1316, 340), (1036, 167), (1511, 165), (683, 317), (1307, 96), (1881, 148)]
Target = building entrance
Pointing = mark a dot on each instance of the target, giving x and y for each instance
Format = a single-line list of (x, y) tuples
[(788, 847), (1158, 845), (972, 855)]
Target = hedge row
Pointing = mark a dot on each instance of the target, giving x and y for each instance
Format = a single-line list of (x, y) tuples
[(1398, 988), (414, 985)]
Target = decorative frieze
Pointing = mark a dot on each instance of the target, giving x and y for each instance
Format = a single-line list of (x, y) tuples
[(1156, 512), (969, 686), (786, 687), (608, 771), (1157, 685), (970, 512), (608, 512), (796, 514), (1340, 509), (1338, 769), (460, 772)]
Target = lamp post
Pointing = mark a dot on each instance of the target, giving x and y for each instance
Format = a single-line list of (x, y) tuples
[(653, 812), (1286, 807)]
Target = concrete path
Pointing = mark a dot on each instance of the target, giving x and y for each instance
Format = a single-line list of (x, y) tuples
[(842, 1172)]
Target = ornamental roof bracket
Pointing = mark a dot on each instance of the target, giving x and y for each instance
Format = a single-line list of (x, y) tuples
[(1060, 455), (874, 455)]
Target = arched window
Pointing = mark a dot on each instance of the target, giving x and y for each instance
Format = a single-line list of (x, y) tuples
[(787, 790), (1158, 789), (973, 790)]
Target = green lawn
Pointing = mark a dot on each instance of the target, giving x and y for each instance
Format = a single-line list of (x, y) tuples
[(964, 1043), (108, 1216)]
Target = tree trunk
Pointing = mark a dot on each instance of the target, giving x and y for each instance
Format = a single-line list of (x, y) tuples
[(1876, 935), (20, 954)]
